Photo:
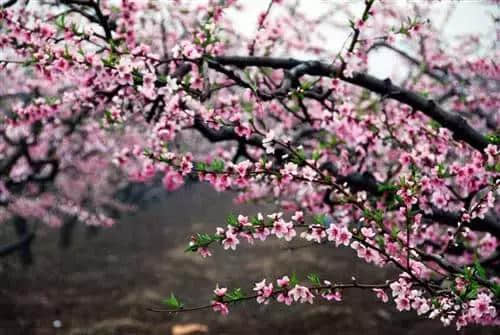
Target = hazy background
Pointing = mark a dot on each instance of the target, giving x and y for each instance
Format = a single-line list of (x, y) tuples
[(103, 283)]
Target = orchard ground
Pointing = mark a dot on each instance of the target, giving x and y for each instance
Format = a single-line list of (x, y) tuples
[(104, 285)]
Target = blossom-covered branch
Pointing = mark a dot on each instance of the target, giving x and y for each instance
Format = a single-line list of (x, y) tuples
[(286, 291), (104, 94)]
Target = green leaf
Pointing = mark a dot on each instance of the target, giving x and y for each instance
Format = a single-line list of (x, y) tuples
[(232, 220), (173, 302), (494, 167), (201, 166), (191, 248), (201, 240), (468, 273), (108, 116), (66, 54), (147, 152), (293, 280), (472, 292), (51, 100), (186, 81), (249, 80), (30, 62), (111, 61), (493, 138), (236, 294), (376, 215), (314, 279), (434, 124), (299, 157), (204, 239), (316, 155), (74, 29), (443, 171), (255, 221), (395, 231), (380, 241), (320, 219), (496, 290), (61, 22), (480, 271), (161, 78), (306, 85), (247, 107), (387, 187), (217, 165), (136, 75)]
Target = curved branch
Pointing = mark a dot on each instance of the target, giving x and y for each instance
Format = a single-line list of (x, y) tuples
[(488, 224), (456, 124), (224, 134), (366, 182), (8, 4), (21, 243), (334, 286)]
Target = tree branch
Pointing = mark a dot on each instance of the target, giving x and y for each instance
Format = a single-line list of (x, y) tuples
[(456, 124), (21, 243)]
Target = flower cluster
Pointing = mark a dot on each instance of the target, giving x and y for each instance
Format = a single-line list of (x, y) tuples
[(403, 171), (288, 290)]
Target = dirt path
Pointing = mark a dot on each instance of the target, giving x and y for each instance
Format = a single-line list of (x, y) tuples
[(103, 286)]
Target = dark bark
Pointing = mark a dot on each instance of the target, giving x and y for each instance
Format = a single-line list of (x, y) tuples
[(455, 123), (22, 231), (66, 233)]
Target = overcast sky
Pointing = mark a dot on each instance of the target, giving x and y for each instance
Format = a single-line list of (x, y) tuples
[(469, 16)]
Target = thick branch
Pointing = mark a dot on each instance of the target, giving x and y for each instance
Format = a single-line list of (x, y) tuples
[(21, 243), (488, 224), (8, 4), (223, 134), (455, 123), (367, 182)]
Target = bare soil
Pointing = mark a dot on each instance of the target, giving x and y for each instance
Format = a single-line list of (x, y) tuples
[(104, 285)]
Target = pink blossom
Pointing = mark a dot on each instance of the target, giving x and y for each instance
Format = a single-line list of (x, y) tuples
[(332, 232), (264, 291), (298, 216), (220, 307), (283, 282), (344, 237), (336, 295), (487, 245), (481, 306), (186, 165), (367, 232), (290, 233), (381, 294), (285, 298), (220, 292), (243, 220), (262, 233), (420, 305), (402, 303), (279, 228), (267, 142), (301, 293), (309, 173), (173, 180), (359, 24), (231, 241), (243, 130), (204, 252)]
